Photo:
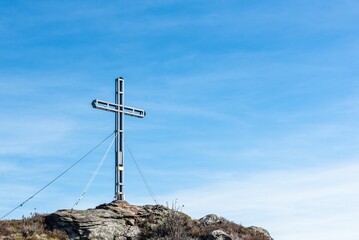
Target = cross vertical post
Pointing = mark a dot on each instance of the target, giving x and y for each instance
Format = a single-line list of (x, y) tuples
[(120, 111), (119, 145)]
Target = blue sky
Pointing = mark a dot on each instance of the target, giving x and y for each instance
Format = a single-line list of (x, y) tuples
[(251, 107)]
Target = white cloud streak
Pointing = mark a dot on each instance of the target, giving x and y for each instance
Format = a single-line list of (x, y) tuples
[(31, 136), (292, 205)]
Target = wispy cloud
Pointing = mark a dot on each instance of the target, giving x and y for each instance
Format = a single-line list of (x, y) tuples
[(7, 166), (32, 136), (311, 200)]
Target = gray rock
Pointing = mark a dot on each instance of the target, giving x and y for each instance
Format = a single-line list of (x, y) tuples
[(261, 230), (111, 221), (218, 235), (209, 219)]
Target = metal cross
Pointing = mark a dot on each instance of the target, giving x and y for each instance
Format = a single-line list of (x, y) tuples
[(120, 110)]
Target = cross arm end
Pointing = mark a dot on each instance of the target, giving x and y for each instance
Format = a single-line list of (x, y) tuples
[(94, 103)]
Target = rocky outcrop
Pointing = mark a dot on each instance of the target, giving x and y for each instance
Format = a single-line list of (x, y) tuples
[(108, 221), (122, 221)]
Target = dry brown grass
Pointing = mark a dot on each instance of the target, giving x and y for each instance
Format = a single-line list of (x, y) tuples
[(30, 228), (177, 226), (199, 230), (173, 226)]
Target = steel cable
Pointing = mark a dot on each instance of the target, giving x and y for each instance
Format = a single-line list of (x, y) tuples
[(60, 175), (142, 176), (94, 174)]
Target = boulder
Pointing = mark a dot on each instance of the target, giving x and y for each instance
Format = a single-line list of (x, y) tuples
[(218, 235)]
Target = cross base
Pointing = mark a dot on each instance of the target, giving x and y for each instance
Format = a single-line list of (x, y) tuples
[(119, 197)]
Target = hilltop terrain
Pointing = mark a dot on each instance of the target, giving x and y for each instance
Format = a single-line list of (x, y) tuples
[(122, 221)]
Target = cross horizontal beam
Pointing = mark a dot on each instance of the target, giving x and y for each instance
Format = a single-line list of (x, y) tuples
[(112, 107)]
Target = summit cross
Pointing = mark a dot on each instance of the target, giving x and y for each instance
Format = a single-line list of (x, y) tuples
[(120, 110)]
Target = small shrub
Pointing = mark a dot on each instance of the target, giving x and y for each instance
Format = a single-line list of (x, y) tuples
[(199, 230), (28, 228), (254, 235), (229, 227), (32, 225), (4, 229), (173, 226), (57, 234)]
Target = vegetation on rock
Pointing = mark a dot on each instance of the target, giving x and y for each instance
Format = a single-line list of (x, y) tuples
[(30, 228), (121, 221)]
